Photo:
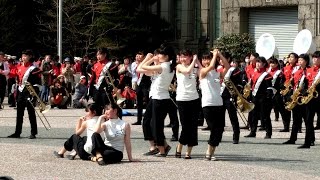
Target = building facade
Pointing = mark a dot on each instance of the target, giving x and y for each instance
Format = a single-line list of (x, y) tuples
[(281, 18), (196, 23)]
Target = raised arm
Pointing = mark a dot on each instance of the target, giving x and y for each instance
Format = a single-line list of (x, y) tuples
[(146, 60), (205, 70), (225, 64), (151, 68), (99, 127), (81, 125), (187, 70)]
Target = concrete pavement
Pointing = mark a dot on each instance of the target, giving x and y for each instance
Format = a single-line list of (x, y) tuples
[(253, 158)]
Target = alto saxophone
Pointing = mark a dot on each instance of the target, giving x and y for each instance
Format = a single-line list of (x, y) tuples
[(295, 99), (312, 93), (287, 88)]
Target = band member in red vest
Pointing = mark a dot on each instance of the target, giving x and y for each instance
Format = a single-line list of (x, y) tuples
[(262, 93), (103, 89), (311, 99), (27, 72), (278, 80), (299, 84)]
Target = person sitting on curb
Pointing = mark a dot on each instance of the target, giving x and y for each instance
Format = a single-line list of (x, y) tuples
[(117, 134), (82, 145)]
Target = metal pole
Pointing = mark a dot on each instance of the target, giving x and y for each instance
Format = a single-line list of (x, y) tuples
[(60, 32)]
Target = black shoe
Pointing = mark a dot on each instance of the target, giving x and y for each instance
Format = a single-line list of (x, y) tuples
[(14, 136), (289, 142), (32, 136), (284, 130), (317, 128), (152, 152), (304, 146), (174, 139), (168, 125), (235, 141), (206, 129), (262, 129), (276, 119), (55, 153), (312, 144), (12, 106), (251, 135), (136, 123), (71, 157), (300, 131), (244, 127), (267, 137)]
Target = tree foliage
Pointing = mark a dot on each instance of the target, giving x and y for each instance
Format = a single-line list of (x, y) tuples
[(123, 26), (239, 45)]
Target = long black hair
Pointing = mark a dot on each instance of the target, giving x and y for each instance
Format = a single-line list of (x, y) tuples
[(169, 51), (115, 106), (94, 108)]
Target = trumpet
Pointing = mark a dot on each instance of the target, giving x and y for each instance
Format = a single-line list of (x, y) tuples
[(110, 81), (43, 108)]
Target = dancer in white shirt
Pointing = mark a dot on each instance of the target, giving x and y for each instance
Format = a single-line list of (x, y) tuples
[(211, 100)]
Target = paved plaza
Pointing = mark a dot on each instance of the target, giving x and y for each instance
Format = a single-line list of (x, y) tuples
[(252, 158)]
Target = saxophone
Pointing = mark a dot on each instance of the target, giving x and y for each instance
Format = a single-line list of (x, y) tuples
[(312, 93), (295, 99), (287, 88)]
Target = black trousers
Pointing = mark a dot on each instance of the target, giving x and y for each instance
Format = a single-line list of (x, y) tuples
[(77, 143), (142, 95), (174, 121), (3, 85), (232, 111), (109, 154), (215, 119), (285, 114), (146, 123), (22, 104), (312, 108), (262, 111), (298, 113), (160, 110), (101, 97), (189, 113)]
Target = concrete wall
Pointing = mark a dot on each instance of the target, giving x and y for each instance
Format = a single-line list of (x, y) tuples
[(234, 14)]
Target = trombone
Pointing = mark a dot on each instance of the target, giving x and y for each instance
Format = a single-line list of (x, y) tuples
[(43, 108)]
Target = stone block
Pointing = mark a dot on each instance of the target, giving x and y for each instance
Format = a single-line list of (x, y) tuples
[(311, 1), (244, 3), (234, 15), (227, 3), (306, 11), (204, 4), (257, 3), (204, 16)]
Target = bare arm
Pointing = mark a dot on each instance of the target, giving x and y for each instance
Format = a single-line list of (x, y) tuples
[(81, 126), (127, 141), (187, 70), (204, 70), (146, 60), (151, 68), (225, 64), (99, 127)]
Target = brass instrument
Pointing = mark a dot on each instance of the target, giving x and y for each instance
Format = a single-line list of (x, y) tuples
[(247, 90), (43, 108), (243, 104), (295, 99), (110, 81), (287, 86), (312, 93)]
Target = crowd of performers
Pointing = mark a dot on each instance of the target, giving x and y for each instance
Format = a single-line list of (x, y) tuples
[(192, 87)]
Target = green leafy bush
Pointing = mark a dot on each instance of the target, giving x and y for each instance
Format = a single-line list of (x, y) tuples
[(239, 45)]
